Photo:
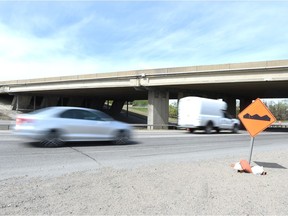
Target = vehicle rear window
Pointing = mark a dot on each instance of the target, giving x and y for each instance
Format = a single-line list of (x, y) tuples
[(103, 116), (43, 110)]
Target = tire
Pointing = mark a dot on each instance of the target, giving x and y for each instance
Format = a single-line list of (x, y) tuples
[(52, 139), (121, 137), (191, 130), (209, 128), (235, 128)]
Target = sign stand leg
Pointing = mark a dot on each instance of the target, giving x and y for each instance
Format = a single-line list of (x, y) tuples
[(251, 148)]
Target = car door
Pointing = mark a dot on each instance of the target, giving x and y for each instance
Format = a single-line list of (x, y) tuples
[(227, 121), (84, 125), (92, 125)]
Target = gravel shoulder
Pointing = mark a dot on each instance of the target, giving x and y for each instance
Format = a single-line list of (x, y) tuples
[(194, 188)]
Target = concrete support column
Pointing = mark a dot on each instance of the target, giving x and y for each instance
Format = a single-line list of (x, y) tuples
[(6, 102), (14, 103), (231, 105), (244, 102), (77, 102), (158, 109), (180, 95), (21, 102), (48, 101), (117, 106), (96, 103)]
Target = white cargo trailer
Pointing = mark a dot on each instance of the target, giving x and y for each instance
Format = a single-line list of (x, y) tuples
[(205, 114)]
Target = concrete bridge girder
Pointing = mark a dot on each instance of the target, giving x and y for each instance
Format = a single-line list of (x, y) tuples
[(49, 101), (266, 78), (75, 101), (21, 102)]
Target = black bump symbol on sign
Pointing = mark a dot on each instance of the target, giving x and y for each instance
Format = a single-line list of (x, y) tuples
[(257, 117)]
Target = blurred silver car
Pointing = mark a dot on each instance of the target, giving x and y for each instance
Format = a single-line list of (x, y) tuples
[(53, 126)]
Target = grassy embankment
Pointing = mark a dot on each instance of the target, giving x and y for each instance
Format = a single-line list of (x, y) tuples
[(144, 111)]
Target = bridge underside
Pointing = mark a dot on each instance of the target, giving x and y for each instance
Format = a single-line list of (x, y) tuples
[(158, 105)]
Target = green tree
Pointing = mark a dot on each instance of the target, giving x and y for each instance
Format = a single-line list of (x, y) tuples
[(278, 109), (140, 103), (173, 111)]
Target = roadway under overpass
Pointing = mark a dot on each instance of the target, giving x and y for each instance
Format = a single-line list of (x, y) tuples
[(242, 81)]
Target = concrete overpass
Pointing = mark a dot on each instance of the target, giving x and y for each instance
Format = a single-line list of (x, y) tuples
[(243, 81)]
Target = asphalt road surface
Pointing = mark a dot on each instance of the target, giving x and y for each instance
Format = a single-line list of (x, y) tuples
[(20, 157)]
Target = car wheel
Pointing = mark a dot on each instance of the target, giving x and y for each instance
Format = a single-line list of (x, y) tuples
[(235, 128), (209, 128), (191, 130), (52, 139), (122, 137)]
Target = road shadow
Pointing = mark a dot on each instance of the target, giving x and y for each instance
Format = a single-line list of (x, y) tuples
[(276, 129), (269, 165), (201, 132), (81, 144), (98, 143)]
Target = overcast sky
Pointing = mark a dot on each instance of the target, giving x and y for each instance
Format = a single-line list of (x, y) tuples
[(57, 38)]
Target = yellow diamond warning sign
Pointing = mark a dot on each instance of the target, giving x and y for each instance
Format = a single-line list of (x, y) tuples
[(256, 117)]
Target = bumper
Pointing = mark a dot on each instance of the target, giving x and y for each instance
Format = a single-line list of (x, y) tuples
[(31, 134)]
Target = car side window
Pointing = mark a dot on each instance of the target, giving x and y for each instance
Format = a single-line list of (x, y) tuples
[(68, 114), (227, 115), (87, 115), (81, 114)]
